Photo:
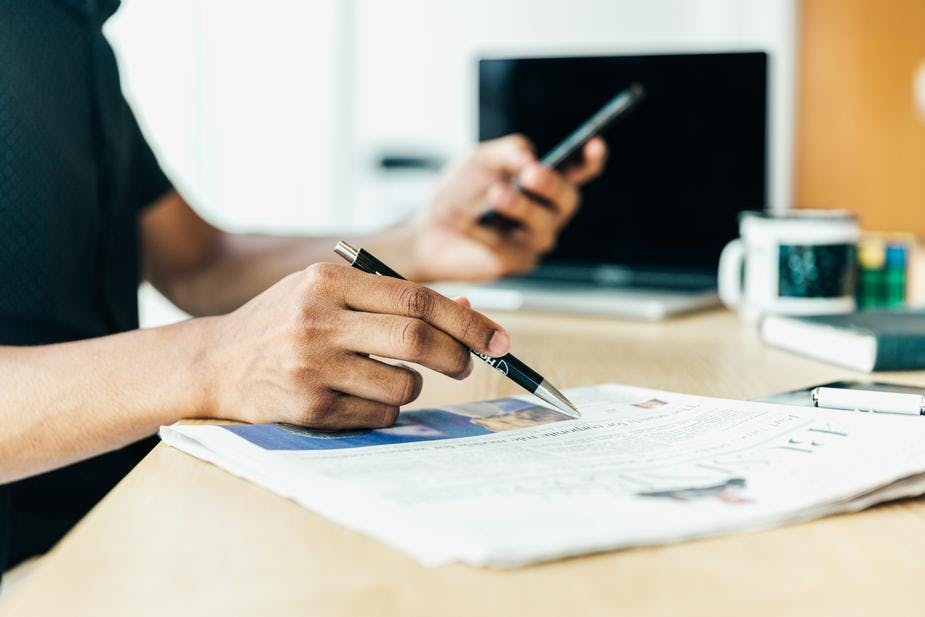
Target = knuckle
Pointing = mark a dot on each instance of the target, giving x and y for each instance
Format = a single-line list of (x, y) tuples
[(387, 416), (461, 363), (320, 275), (414, 338), (311, 322), (470, 325), (294, 370), (407, 387), (417, 301), (318, 405), (297, 368)]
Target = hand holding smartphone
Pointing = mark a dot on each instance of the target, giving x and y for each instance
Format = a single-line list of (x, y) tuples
[(617, 107)]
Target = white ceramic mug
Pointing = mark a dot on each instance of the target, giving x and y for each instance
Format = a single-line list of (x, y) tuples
[(797, 262)]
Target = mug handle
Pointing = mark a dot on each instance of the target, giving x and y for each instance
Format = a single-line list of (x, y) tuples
[(731, 261)]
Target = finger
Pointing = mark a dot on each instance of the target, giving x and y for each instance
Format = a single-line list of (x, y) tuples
[(519, 206), (408, 339), (504, 198), (594, 157), (351, 412), (373, 380), (538, 225), (377, 294), (551, 187), (507, 154), (463, 300)]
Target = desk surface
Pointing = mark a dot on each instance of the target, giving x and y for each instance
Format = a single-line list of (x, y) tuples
[(179, 536)]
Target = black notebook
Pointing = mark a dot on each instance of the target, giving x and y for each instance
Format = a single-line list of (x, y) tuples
[(876, 340)]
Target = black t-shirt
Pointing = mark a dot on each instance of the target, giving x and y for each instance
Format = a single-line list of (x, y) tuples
[(75, 172)]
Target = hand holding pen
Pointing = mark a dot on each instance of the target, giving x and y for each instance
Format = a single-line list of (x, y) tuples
[(300, 352), (305, 351), (508, 365)]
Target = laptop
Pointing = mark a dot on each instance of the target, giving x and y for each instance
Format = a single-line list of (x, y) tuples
[(646, 241)]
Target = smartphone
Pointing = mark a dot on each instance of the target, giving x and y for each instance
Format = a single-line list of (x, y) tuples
[(617, 107)]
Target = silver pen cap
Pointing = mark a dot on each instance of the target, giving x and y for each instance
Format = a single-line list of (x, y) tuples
[(346, 251)]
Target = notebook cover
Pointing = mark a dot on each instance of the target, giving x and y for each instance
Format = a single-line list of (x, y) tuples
[(900, 335)]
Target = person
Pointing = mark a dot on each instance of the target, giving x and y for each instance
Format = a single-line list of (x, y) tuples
[(278, 334)]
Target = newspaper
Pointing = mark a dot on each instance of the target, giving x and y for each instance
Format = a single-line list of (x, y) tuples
[(509, 482)]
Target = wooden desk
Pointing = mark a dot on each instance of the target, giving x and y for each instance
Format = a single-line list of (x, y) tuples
[(179, 536)]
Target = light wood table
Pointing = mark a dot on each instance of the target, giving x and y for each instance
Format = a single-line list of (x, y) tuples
[(179, 536)]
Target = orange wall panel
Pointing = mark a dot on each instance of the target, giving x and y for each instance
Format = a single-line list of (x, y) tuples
[(860, 143)]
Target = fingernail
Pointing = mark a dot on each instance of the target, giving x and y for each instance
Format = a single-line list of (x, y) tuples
[(499, 344)]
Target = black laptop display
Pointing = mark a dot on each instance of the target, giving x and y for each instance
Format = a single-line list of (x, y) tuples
[(681, 166)]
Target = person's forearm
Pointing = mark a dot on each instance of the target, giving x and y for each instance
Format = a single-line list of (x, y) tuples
[(241, 266), (66, 402)]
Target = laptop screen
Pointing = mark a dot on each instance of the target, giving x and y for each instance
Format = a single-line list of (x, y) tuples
[(682, 165)]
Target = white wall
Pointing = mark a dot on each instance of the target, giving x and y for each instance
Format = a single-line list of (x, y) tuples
[(270, 116), (237, 97)]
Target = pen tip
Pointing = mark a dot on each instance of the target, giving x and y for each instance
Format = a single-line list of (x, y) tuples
[(551, 394)]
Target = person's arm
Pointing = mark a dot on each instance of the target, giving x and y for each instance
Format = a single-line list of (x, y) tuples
[(298, 353), (65, 402), (206, 271)]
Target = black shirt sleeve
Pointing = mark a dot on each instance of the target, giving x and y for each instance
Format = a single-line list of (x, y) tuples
[(148, 183), (133, 176)]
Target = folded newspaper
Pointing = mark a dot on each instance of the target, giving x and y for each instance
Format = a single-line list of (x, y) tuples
[(509, 482)]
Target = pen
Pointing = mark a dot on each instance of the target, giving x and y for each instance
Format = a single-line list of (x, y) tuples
[(508, 365), (615, 108), (867, 400)]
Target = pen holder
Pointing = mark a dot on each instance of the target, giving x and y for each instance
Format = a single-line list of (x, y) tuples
[(883, 264)]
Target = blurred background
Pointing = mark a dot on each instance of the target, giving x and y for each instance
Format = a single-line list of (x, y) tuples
[(336, 115)]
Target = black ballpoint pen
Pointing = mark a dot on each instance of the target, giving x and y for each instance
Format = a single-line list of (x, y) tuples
[(508, 365)]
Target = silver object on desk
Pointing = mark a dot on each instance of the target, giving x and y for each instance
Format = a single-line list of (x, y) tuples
[(868, 400), (604, 290)]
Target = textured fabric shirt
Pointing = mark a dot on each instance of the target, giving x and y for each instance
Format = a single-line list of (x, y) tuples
[(75, 172)]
